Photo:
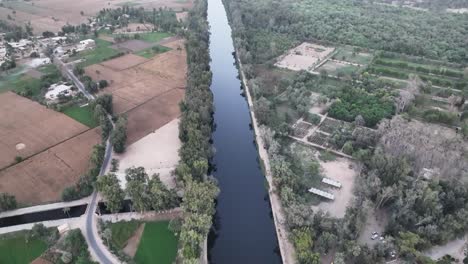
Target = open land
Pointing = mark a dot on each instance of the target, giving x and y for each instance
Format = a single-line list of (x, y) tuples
[(304, 57), (142, 82), (29, 128), (41, 178), (343, 171), (156, 152), (53, 14)]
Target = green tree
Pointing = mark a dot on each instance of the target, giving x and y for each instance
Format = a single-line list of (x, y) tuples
[(118, 137), (109, 186), (161, 197), (137, 188), (7, 202)]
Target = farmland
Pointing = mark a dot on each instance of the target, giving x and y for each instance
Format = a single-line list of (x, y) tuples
[(157, 233), (53, 14), (82, 114), (13, 244), (30, 128), (42, 177)]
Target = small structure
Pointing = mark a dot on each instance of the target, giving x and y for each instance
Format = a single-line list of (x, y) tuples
[(86, 44), (332, 182), (57, 89), (322, 193), (63, 228)]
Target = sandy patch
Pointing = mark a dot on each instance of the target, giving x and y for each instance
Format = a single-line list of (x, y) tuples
[(454, 248), (20, 146), (340, 170), (157, 152), (304, 57), (182, 16), (132, 244)]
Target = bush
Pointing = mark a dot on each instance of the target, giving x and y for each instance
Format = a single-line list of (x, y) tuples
[(7, 202), (103, 84), (313, 118), (437, 116), (118, 137)]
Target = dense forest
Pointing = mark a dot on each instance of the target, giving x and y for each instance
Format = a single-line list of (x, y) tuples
[(264, 28), (422, 211)]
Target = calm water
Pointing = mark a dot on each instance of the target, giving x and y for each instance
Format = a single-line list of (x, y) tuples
[(243, 230)]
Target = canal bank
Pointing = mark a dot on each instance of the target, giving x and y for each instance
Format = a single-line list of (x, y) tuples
[(243, 230)]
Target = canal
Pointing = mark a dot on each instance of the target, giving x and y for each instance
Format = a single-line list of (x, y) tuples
[(243, 230)]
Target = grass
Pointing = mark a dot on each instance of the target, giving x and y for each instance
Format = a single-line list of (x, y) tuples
[(101, 53), (154, 37), (346, 54), (83, 115), (15, 250), (122, 231), (157, 245), (151, 52)]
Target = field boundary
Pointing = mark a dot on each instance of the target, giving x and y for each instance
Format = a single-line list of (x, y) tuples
[(48, 148)]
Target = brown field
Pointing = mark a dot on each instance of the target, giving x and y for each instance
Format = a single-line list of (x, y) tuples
[(41, 178), (136, 85), (124, 62), (53, 14), (134, 27), (132, 45), (153, 114), (28, 128)]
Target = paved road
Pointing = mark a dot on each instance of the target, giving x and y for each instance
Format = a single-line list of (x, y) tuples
[(72, 76), (98, 250)]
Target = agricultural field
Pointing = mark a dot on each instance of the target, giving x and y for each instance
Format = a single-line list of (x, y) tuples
[(157, 233), (102, 52), (17, 248), (42, 177), (30, 128), (438, 73), (148, 90), (82, 114), (51, 15), (145, 242)]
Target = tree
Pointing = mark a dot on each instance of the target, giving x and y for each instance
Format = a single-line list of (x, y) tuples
[(7, 202), (103, 84), (161, 197), (107, 235), (137, 188), (66, 210), (118, 137), (106, 101), (109, 186)]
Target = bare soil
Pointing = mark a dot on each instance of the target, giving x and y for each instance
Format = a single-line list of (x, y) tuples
[(124, 62), (29, 123), (304, 56), (157, 152), (136, 85), (343, 171), (132, 244), (41, 178), (53, 14), (132, 45)]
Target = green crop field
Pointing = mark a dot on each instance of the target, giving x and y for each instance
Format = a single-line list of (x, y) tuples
[(151, 52), (157, 245), (122, 231), (154, 37), (15, 250), (101, 53), (83, 115)]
